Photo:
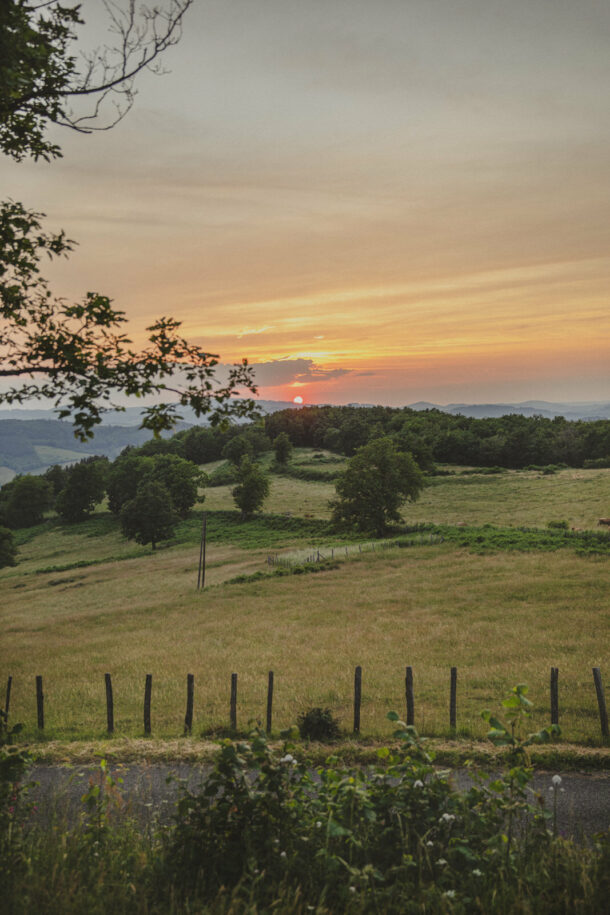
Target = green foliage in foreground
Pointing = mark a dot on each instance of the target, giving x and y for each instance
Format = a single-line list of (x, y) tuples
[(395, 837)]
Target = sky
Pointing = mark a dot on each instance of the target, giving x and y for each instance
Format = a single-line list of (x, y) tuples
[(380, 202)]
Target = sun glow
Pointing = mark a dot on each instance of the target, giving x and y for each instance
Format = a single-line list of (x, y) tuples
[(297, 399)]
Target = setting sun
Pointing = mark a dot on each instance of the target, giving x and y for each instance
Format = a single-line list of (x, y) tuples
[(297, 399)]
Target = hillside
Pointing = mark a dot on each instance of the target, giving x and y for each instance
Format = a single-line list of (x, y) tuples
[(477, 581)]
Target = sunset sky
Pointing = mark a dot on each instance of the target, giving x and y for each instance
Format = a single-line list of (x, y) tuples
[(382, 202)]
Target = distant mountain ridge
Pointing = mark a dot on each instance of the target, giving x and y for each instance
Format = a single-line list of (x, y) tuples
[(587, 410), (584, 410)]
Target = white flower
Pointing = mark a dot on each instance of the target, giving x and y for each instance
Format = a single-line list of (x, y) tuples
[(282, 854), (352, 889), (441, 862), (556, 780), (289, 758), (447, 818), (318, 824), (418, 784), (449, 894), (477, 873), (430, 844)]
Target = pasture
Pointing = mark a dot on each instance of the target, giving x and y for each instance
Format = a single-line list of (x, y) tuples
[(84, 601)]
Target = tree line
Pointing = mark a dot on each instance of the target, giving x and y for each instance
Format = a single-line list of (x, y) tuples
[(512, 441), (149, 493)]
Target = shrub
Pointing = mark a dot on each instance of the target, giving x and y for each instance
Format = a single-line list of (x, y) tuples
[(225, 475), (318, 724)]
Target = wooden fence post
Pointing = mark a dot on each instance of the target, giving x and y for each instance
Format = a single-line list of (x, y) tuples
[(269, 701), (357, 698), (453, 700), (601, 700), (7, 701), (233, 702), (554, 695), (40, 702), (109, 704), (147, 701), (190, 700), (409, 696)]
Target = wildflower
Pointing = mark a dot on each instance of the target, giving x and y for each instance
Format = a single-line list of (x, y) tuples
[(430, 844), (418, 784), (477, 873), (289, 758), (450, 894), (282, 854), (318, 824), (352, 889), (441, 862), (447, 818), (556, 780)]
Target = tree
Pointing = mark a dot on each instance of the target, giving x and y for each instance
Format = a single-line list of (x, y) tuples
[(181, 479), (237, 448), (8, 551), (85, 487), (57, 476), (376, 482), (283, 448), (77, 354), (150, 516), (41, 79), (200, 445), (124, 477), (252, 489), (24, 500)]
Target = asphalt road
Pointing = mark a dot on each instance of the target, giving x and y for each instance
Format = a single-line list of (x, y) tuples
[(583, 806)]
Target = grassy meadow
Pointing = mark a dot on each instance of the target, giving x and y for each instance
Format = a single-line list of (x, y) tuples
[(84, 601)]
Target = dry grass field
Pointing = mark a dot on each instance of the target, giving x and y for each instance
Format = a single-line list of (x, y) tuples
[(500, 618)]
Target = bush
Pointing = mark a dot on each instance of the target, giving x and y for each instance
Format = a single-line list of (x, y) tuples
[(558, 525), (596, 463), (318, 724), (225, 475)]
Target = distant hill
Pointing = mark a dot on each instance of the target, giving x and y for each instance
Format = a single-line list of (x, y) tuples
[(573, 411), (32, 440), (132, 416)]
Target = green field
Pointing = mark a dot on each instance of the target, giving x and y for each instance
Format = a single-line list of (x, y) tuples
[(84, 601)]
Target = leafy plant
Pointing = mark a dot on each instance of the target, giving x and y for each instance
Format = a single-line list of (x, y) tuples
[(318, 724)]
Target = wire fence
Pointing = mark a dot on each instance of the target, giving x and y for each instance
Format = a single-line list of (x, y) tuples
[(327, 552)]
